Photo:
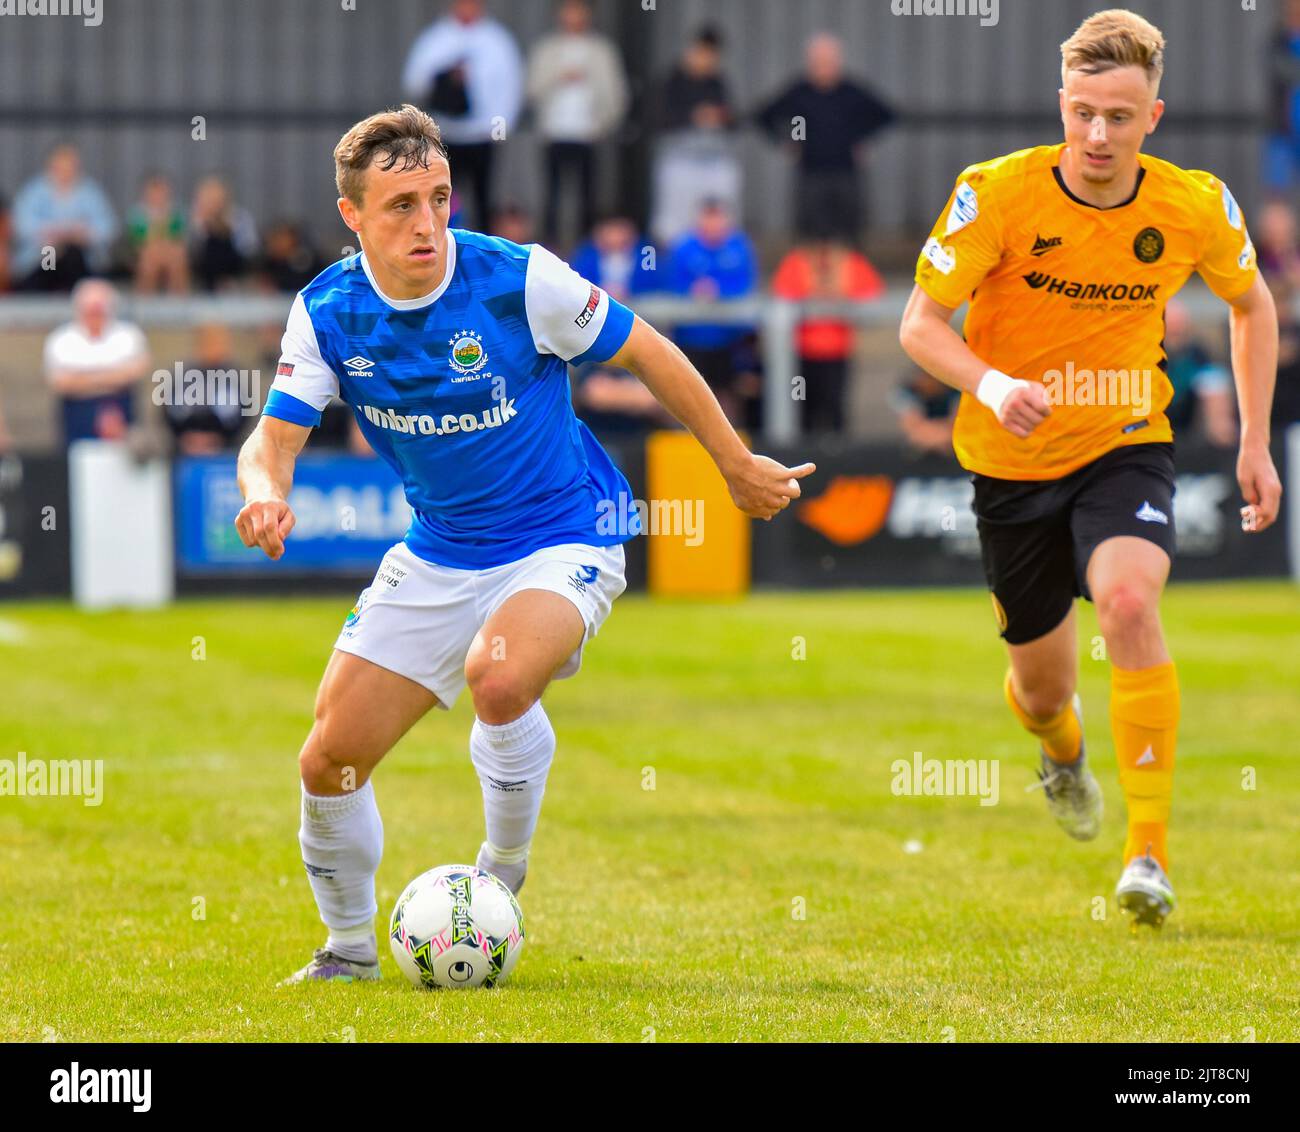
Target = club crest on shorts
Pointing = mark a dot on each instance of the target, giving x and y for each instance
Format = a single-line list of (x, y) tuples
[(466, 354)]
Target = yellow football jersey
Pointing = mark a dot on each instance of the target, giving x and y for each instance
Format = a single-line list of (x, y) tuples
[(1073, 296)]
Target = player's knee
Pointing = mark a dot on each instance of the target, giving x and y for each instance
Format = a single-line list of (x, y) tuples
[(499, 696), (1124, 608), (327, 763), (1044, 698)]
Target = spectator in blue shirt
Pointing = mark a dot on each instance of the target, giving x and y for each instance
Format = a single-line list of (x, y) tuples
[(618, 259), (68, 212), (715, 261)]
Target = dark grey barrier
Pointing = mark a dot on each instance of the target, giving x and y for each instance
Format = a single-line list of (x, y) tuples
[(874, 515)]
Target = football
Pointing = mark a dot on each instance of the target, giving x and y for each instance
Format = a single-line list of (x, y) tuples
[(456, 926)]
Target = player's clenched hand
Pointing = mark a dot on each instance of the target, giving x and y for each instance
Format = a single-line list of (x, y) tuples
[(265, 523), (1024, 409), (761, 486), (1260, 487)]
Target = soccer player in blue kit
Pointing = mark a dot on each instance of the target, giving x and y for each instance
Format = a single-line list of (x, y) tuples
[(452, 349)]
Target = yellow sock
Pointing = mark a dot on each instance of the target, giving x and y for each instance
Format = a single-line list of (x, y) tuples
[(1060, 734), (1144, 706)]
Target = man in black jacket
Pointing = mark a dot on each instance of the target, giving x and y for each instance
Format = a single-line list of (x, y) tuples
[(825, 118)]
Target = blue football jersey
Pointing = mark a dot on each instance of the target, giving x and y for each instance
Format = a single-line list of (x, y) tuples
[(465, 393)]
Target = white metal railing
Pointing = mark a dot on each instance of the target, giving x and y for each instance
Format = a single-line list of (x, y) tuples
[(776, 319)]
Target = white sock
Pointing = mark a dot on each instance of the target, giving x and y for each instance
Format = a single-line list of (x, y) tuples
[(342, 841), (512, 760)]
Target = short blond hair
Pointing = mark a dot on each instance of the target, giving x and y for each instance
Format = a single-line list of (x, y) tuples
[(406, 135), (1114, 38)]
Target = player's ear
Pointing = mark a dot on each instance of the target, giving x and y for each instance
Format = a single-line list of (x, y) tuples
[(348, 211), (1157, 111)]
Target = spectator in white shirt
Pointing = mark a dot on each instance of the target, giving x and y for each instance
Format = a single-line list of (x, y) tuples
[(579, 88), (467, 72), (92, 362)]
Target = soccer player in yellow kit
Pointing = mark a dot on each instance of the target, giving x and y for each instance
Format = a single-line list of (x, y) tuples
[(1068, 254)]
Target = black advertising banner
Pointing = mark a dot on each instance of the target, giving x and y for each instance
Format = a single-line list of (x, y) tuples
[(875, 515), (34, 541)]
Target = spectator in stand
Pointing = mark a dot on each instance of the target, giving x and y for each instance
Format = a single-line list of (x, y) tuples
[(1203, 398), (201, 430), (695, 156), (513, 223), (6, 237), (715, 261), (223, 237), (617, 259), (927, 409), (65, 211), (578, 87), (825, 120), (1276, 247), (1286, 394), (614, 403), (466, 70), (92, 363), (289, 261), (155, 231), (1282, 147), (6, 441), (822, 269)]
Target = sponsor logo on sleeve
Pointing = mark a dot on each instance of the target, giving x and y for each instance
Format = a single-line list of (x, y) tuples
[(1230, 208), (284, 369), (943, 259), (965, 207), (589, 311), (1246, 260)]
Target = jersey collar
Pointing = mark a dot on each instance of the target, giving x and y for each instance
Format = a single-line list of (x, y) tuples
[(1060, 180), (423, 300)]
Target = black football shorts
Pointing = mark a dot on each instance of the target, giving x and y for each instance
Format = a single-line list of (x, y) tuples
[(1036, 536)]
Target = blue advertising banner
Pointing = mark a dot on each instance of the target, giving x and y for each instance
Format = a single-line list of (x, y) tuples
[(349, 511)]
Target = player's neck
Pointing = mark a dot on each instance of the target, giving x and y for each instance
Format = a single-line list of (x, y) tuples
[(1100, 195), (394, 286)]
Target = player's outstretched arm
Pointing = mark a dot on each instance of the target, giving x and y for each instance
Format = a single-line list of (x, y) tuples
[(265, 476), (926, 334), (1254, 368), (760, 486)]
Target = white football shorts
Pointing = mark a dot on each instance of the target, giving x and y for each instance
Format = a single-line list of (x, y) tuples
[(419, 619)]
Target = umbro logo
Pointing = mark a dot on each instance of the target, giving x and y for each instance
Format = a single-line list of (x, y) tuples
[(1045, 244), (359, 366), (1149, 514)]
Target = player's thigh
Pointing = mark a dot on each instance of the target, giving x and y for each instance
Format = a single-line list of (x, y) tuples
[(1127, 570), (521, 646), (362, 710), (1122, 523), (1029, 568)]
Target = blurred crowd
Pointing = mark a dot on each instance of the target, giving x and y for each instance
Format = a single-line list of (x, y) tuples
[(62, 233)]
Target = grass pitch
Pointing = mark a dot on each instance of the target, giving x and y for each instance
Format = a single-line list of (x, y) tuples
[(770, 886)]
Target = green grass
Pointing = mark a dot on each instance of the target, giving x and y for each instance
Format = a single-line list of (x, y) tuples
[(664, 913)]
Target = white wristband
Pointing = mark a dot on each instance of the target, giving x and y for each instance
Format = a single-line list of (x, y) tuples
[(994, 387)]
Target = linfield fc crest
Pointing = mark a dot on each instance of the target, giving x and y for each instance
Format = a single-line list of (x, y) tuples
[(466, 354)]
